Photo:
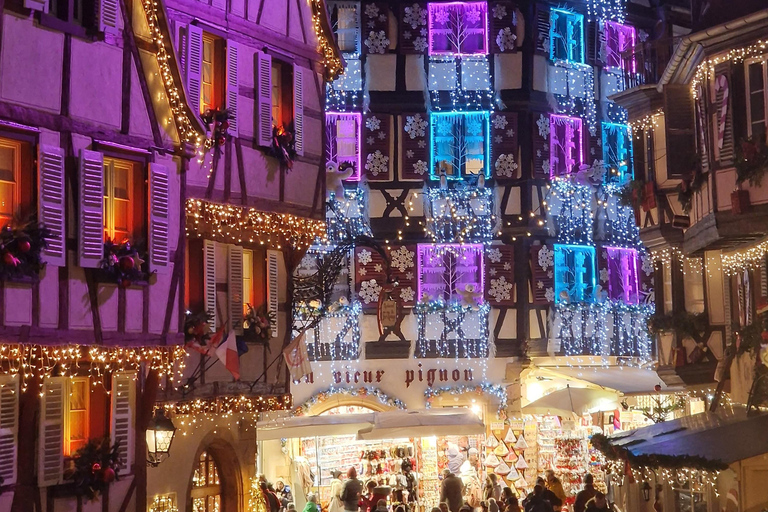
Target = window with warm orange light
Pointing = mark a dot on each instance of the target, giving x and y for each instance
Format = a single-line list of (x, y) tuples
[(212, 73), (282, 94), (123, 197), (77, 415), (10, 168)]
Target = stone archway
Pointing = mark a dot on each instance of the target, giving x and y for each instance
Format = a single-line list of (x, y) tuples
[(223, 477)]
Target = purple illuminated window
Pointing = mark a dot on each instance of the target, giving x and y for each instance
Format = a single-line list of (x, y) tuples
[(458, 28), (622, 275), (445, 270), (566, 149), (619, 46), (344, 141)]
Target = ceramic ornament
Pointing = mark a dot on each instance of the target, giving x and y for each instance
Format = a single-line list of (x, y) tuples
[(491, 461), (521, 444), (511, 456), (501, 450), (502, 469), (521, 464), (512, 475), (510, 437), (492, 442)]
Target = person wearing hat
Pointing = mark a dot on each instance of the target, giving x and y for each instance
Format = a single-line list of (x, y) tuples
[(335, 504)]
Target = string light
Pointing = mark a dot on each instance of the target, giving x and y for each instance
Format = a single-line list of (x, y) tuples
[(706, 69), (751, 258), (347, 217), (461, 214), (645, 123), (606, 10), (163, 503), (364, 392), (226, 406), (229, 223), (334, 64), (498, 391)]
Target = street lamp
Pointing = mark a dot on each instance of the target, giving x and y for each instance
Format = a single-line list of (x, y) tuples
[(646, 491), (160, 432)]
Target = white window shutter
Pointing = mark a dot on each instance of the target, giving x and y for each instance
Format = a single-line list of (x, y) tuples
[(273, 288), (51, 201), (298, 108), (194, 60), (108, 12), (9, 428), (51, 438), (91, 242), (264, 98), (159, 197), (235, 284), (232, 86), (209, 270), (122, 429)]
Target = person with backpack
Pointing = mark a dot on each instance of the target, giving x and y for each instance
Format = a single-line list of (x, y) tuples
[(585, 494), (350, 494)]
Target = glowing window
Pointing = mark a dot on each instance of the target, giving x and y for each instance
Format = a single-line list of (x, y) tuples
[(119, 183), (622, 275), (566, 36), (448, 270), (458, 28), (619, 46), (617, 152), (566, 148), (574, 273), (460, 144)]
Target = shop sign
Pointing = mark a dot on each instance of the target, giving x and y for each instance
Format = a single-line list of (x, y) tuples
[(429, 376)]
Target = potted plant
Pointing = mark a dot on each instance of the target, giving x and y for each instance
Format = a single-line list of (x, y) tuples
[(751, 161)]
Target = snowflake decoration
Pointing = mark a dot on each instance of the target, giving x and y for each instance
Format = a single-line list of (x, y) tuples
[(415, 16), (545, 165), (369, 291), (474, 126), (382, 18), (415, 126), (593, 132), (377, 42), (377, 163), (381, 135), (492, 271), (362, 271), (546, 257), (505, 165), (540, 285), (409, 276), (592, 151), (550, 274), (422, 144), (472, 16), (505, 39), (549, 295), (402, 258), (407, 35), (407, 294), (444, 127), (373, 123), (500, 289), (538, 153), (543, 124), (644, 287), (510, 133), (377, 267), (499, 11), (441, 16), (507, 266), (364, 257), (647, 264), (423, 32), (499, 122), (370, 140), (494, 255), (420, 167), (409, 153), (497, 139), (604, 275), (371, 10), (420, 44), (371, 24)]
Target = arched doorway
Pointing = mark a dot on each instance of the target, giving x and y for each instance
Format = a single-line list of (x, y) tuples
[(216, 481), (206, 485)]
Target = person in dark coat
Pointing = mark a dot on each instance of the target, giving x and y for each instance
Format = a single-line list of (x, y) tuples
[(353, 489), (546, 495), (452, 491), (535, 502), (598, 503), (585, 494)]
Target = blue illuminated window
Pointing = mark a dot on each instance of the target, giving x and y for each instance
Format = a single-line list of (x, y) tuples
[(574, 273), (617, 152), (566, 36), (460, 144)]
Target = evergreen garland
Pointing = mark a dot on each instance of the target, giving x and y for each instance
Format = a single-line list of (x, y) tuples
[(95, 467), (21, 246)]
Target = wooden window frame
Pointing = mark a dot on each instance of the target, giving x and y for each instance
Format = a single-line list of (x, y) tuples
[(218, 70), (83, 28), (68, 450), (284, 86), (333, 8), (138, 198), (25, 173), (764, 62)]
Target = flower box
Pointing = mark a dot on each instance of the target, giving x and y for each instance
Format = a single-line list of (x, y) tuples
[(740, 201)]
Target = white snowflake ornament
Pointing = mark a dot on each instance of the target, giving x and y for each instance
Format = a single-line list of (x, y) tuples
[(369, 291), (500, 289), (415, 16), (494, 255), (377, 42), (420, 167), (505, 165), (364, 257), (402, 258), (377, 163), (407, 294), (499, 11), (499, 122), (505, 39), (373, 123), (415, 126)]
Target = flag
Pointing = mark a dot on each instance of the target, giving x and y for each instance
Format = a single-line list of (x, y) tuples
[(215, 340), (297, 359), (227, 354)]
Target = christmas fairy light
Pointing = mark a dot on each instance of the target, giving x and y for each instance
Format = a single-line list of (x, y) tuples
[(495, 390), (751, 258), (706, 69), (362, 392)]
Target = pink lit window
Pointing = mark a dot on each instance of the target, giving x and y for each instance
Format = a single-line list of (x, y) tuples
[(619, 46), (445, 270), (622, 274), (344, 144), (566, 148), (458, 28)]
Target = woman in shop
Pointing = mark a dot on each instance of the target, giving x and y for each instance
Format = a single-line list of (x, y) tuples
[(353, 489), (335, 504), (554, 485)]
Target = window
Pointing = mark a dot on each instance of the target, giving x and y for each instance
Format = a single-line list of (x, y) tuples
[(617, 152), (75, 12), (574, 273), (77, 415), (254, 283), (123, 198), (622, 275), (212, 74), (693, 279), (454, 73), (248, 287), (458, 28), (667, 276), (282, 94), (619, 45), (566, 36), (11, 152), (206, 487), (460, 144), (757, 77), (566, 148), (346, 24), (691, 496), (344, 140), (448, 270)]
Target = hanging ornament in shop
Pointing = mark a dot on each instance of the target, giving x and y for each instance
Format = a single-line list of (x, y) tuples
[(521, 484), (511, 456), (521, 464), (502, 469), (501, 450), (491, 461), (512, 475), (492, 442), (510, 437), (521, 444)]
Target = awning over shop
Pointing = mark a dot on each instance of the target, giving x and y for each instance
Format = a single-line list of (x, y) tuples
[(726, 435), (625, 379), (311, 426), (569, 401), (422, 423)]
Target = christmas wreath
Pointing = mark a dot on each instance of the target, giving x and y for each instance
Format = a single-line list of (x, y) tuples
[(21, 245), (197, 330), (688, 187), (283, 145), (216, 124), (257, 324), (123, 264), (95, 467)]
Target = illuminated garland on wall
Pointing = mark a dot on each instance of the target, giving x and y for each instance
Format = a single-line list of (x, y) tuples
[(347, 217), (43, 361), (163, 503), (751, 258), (236, 224), (499, 392), (647, 122), (363, 392), (334, 65), (181, 114), (451, 319), (706, 69), (225, 406), (338, 349), (459, 214)]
